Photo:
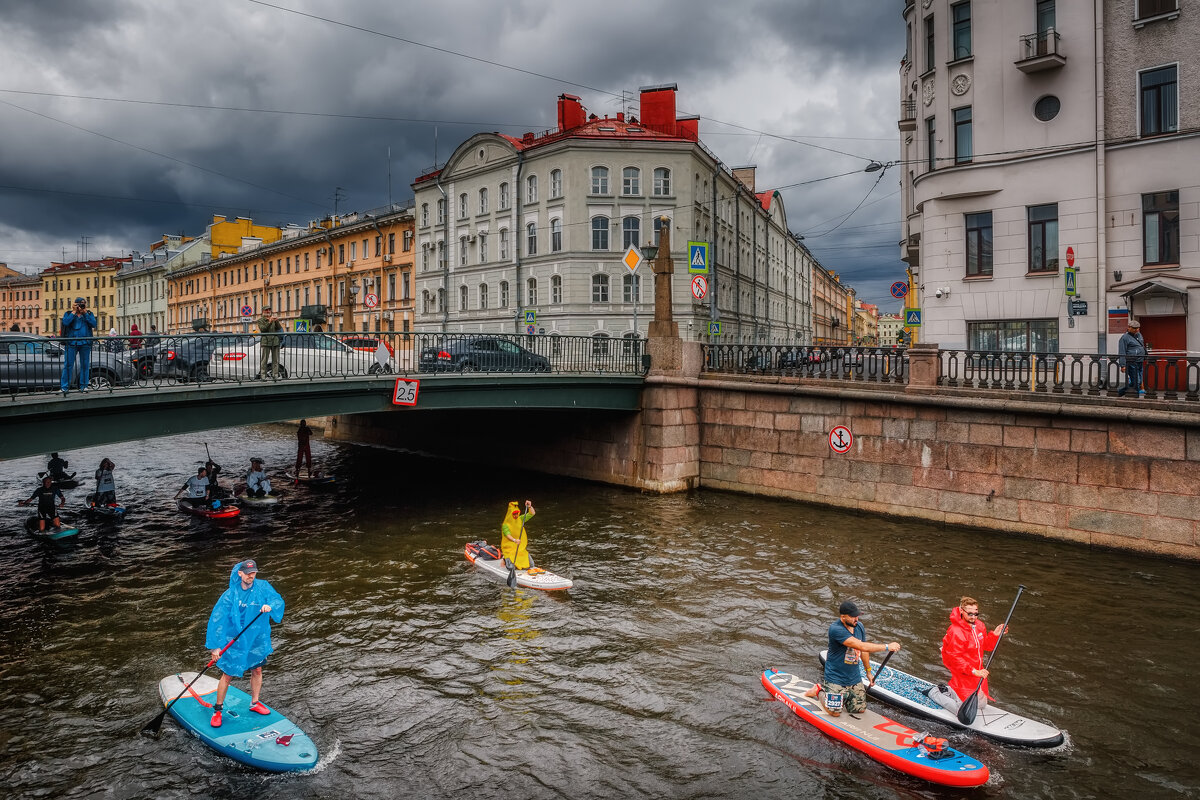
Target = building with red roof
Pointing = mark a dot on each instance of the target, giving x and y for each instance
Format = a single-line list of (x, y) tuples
[(540, 223)]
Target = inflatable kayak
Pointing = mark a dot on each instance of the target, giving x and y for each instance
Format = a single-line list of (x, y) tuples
[(488, 559), (912, 694), (222, 511), (50, 534), (266, 741), (106, 511), (883, 739), (310, 480)]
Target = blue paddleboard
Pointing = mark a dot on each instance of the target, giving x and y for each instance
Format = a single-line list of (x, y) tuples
[(266, 741)]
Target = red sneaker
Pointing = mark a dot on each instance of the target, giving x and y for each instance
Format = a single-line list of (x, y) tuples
[(216, 719), (259, 708)]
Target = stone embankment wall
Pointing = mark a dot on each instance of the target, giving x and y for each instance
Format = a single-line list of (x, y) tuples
[(1115, 475)]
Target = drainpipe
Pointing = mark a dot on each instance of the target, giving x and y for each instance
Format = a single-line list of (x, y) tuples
[(379, 286), (1101, 189), (517, 241), (737, 254), (714, 312), (445, 262), (754, 209)]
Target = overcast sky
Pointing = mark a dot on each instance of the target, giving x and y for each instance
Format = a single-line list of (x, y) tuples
[(112, 131)]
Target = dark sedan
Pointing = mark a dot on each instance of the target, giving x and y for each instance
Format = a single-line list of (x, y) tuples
[(480, 354), (186, 357), (32, 363)]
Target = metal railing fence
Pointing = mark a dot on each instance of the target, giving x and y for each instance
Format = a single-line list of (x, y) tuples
[(865, 364)]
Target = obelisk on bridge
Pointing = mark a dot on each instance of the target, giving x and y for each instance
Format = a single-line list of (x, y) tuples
[(663, 343)]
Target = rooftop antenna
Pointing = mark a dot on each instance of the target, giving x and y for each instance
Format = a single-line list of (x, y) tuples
[(84, 241), (339, 194), (389, 176)]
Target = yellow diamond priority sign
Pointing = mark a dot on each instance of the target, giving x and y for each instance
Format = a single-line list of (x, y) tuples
[(632, 258)]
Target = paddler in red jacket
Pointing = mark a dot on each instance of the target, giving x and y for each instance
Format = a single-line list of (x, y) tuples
[(963, 647)]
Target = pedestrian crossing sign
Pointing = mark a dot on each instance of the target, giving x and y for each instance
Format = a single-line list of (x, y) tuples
[(912, 318), (302, 326), (697, 257), (714, 328), (1070, 274), (531, 318)]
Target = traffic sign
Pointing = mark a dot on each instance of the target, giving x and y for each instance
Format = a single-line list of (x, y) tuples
[(531, 318), (405, 393), (1070, 256), (302, 326), (840, 439), (899, 290), (1070, 274), (697, 256), (247, 311), (699, 286), (714, 328), (531, 329), (632, 258), (1078, 307), (371, 300), (912, 317)]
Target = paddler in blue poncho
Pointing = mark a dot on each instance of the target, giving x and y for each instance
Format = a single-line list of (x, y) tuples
[(245, 599)]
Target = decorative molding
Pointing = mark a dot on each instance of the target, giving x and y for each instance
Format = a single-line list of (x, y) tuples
[(927, 92), (960, 84)]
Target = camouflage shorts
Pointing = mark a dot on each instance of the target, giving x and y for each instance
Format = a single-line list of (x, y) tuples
[(854, 698)]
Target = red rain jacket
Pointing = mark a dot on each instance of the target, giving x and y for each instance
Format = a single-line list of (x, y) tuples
[(962, 651)]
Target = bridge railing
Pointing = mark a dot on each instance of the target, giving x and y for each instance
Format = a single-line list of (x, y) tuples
[(31, 364), (866, 364)]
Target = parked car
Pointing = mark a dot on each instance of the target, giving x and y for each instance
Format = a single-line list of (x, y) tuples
[(34, 363), (186, 357), (368, 344), (480, 354), (312, 355)]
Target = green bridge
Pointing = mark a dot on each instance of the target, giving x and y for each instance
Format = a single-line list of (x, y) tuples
[(41, 424)]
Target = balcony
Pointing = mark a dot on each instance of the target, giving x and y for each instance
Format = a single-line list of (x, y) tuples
[(908, 115), (1040, 51)]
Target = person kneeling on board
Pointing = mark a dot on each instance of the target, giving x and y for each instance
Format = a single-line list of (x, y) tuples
[(963, 647), (197, 488), (237, 607), (844, 689), (257, 482), (513, 541)]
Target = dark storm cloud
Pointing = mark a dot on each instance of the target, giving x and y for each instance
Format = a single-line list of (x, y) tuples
[(774, 67)]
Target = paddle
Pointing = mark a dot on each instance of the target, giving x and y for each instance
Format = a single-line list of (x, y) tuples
[(879, 670), (970, 706), (152, 727)]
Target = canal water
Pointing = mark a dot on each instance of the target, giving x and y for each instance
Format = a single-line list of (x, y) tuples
[(417, 676)]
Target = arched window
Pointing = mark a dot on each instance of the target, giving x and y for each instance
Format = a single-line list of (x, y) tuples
[(462, 249), (631, 181), (531, 189), (600, 288), (631, 288), (556, 289), (599, 180), (483, 201), (462, 205), (531, 239), (556, 183), (463, 298), (504, 196), (556, 235), (441, 211), (531, 299), (483, 296), (631, 344), (631, 232), (441, 300), (426, 301), (483, 253), (424, 214), (600, 344), (599, 233), (504, 244), (662, 182), (555, 344), (504, 294)]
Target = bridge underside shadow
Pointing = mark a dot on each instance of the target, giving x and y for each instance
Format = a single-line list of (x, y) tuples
[(38, 425)]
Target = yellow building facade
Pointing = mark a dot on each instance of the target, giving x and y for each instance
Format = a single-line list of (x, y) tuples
[(95, 281)]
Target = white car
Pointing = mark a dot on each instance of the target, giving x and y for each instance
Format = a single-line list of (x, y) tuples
[(302, 355)]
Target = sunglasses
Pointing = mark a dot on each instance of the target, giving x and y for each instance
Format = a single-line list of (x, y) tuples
[(970, 613)]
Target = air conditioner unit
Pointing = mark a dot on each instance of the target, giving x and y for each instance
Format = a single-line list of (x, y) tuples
[(387, 315), (349, 263), (387, 259)]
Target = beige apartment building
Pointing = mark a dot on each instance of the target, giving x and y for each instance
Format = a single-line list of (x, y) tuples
[(1044, 136)]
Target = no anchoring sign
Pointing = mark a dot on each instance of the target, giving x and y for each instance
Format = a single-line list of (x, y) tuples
[(840, 439)]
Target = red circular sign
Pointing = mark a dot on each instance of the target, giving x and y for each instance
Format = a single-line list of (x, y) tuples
[(1070, 256), (840, 439), (699, 287)]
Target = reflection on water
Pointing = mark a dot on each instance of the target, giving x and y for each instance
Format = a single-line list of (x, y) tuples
[(417, 675)]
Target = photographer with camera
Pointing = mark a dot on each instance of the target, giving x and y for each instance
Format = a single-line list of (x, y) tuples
[(77, 327)]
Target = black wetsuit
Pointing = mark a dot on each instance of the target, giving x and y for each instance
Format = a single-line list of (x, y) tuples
[(45, 496)]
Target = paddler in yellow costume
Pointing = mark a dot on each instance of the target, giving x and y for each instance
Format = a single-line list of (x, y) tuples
[(512, 535)]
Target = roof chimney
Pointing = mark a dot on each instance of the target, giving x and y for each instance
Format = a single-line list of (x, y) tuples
[(658, 108), (571, 113), (745, 176)]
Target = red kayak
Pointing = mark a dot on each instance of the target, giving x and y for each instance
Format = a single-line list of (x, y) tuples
[(221, 512)]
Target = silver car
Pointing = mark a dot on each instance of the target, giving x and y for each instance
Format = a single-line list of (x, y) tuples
[(31, 363)]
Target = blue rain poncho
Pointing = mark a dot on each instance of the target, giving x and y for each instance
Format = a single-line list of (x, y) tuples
[(233, 611)]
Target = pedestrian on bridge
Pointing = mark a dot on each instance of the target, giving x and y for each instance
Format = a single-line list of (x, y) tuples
[(1132, 351), (268, 346), (78, 325)]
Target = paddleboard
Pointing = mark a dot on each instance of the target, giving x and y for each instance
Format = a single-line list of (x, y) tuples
[(250, 500), (107, 511), (885, 740), (311, 480), (65, 482), (911, 694), (488, 560), (267, 741), (224, 512), (50, 534)]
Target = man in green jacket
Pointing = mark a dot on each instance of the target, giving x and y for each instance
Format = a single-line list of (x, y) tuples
[(268, 346)]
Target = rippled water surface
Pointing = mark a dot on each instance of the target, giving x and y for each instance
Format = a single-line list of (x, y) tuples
[(417, 676)]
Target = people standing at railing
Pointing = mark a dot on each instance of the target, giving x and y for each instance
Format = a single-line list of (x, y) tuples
[(135, 340), (78, 325), (113, 343), (268, 346), (1132, 351)]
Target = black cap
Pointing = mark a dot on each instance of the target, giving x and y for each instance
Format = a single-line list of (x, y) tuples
[(848, 608), (248, 566), (255, 460)]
